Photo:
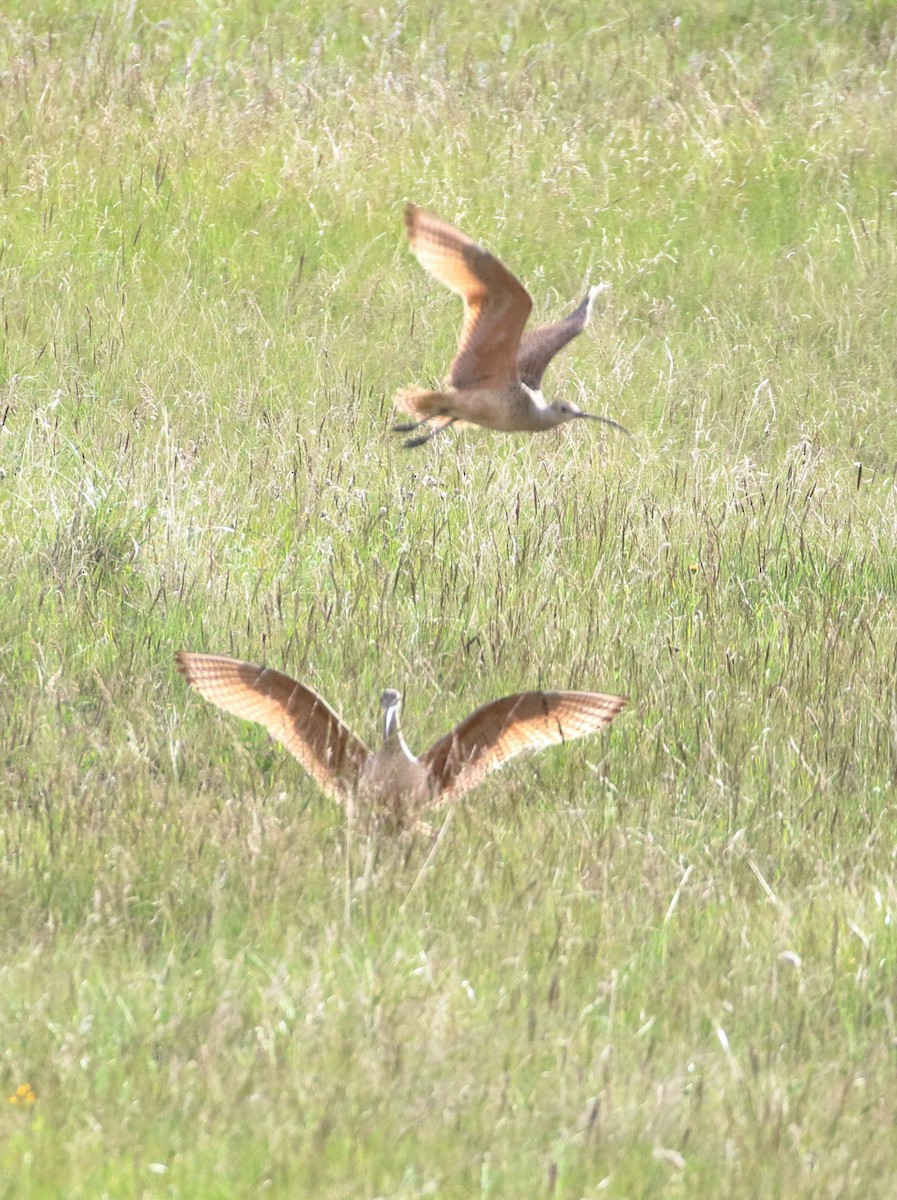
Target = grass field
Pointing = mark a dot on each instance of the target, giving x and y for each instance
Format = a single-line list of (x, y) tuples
[(657, 963)]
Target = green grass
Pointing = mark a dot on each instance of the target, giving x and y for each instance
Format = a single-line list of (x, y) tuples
[(660, 962)]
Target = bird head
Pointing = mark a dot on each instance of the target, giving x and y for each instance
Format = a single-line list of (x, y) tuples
[(566, 410)]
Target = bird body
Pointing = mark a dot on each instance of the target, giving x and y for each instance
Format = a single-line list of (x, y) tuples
[(495, 379), (393, 778), (392, 783), (513, 408)]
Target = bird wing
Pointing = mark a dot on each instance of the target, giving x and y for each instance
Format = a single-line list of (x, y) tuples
[(539, 346), (500, 730), (292, 714), (496, 305)]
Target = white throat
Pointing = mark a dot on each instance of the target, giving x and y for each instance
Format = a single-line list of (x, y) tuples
[(535, 394)]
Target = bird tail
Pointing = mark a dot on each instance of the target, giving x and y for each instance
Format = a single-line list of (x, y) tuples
[(419, 403)]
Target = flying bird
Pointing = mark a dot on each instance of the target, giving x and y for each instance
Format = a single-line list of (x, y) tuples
[(496, 378), (392, 782)]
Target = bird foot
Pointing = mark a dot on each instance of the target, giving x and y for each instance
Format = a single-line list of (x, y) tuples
[(410, 443)]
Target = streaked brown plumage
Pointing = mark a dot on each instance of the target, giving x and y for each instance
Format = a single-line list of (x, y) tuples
[(496, 377), (392, 781)]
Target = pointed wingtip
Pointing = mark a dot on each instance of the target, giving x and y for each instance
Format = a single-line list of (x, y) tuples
[(597, 288), (594, 292), (614, 705), (412, 211), (583, 311)]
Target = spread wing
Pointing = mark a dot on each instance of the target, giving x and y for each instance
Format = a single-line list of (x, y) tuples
[(496, 305), (500, 730), (539, 347), (292, 714)]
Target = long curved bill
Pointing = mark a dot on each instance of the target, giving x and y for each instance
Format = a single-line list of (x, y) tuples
[(606, 421)]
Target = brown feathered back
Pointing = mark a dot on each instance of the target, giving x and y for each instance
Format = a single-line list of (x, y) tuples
[(496, 304)]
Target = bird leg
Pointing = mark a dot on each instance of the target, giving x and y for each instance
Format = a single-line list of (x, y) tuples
[(408, 426), (410, 443)]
